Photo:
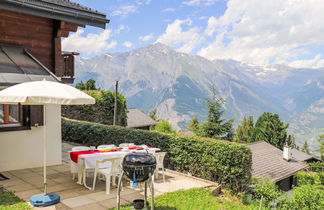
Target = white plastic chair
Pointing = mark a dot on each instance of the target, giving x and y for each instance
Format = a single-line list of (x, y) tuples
[(159, 163), (74, 166), (112, 171), (104, 146), (126, 144)]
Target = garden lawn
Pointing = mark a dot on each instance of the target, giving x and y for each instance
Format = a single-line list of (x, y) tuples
[(195, 199), (11, 202)]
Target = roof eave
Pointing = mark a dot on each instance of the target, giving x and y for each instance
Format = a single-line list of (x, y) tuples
[(290, 174), (97, 20), (144, 125)]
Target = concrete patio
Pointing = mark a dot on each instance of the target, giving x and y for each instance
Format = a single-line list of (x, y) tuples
[(27, 182)]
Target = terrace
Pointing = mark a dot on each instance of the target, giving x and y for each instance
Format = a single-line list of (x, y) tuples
[(27, 182)]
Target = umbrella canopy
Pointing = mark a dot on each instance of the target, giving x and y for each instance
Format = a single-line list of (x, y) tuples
[(44, 93)]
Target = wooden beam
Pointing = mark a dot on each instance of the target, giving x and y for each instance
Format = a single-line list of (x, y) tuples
[(63, 28), (62, 33), (58, 58), (67, 80), (6, 113), (72, 26)]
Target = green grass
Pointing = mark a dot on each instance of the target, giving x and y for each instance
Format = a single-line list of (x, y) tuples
[(195, 199), (8, 201)]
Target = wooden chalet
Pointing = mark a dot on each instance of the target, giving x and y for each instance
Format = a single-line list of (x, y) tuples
[(31, 32), (40, 25)]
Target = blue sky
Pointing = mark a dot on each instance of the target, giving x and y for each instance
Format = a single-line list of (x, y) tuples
[(259, 32)]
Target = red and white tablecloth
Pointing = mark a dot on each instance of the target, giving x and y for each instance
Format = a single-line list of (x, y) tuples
[(90, 157)]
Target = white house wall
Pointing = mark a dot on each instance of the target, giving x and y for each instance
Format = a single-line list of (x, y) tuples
[(24, 149)]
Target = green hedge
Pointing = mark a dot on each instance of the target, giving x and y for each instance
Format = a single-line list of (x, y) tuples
[(220, 161)]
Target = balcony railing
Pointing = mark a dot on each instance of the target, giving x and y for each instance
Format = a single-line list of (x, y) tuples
[(68, 67)]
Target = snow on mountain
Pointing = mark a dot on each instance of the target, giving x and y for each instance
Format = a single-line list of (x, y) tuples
[(155, 76)]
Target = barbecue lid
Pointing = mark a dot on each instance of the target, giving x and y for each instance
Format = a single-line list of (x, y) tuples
[(139, 159)]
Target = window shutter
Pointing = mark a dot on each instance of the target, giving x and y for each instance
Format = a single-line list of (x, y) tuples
[(36, 115), (26, 115)]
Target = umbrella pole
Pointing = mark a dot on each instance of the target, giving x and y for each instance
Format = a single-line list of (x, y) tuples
[(44, 149), (44, 199)]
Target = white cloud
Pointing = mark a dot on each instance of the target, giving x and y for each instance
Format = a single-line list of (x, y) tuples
[(120, 29), (263, 32), (199, 2), (316, 62), (176, 35), (125, 10), (128, 44), (211, 26), (146, 38), (88, 44), (143, 2), (168, 10)]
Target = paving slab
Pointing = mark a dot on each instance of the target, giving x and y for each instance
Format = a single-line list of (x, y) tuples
[(28, 182), (25, 195), (77, 201), (93, 206), (100, 196), (112, 203)]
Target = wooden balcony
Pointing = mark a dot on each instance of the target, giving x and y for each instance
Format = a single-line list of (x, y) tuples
[(68, 67)]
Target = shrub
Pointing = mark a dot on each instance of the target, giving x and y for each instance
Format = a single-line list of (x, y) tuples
[(247, 199), (321, 178), (317, 166), (304, 197), (221, 161), (306, 178), (164, 126), (100, 112), (267, 189)]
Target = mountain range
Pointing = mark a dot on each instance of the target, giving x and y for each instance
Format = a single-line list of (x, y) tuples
[(177, 84)]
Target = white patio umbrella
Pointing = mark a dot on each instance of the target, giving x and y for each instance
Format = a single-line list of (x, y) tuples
[(44, 93)]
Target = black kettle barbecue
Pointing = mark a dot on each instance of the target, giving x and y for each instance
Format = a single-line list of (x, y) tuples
[(139, 166)]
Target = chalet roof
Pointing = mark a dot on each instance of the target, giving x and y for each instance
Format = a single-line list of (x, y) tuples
[(301, 156), (137, 119), (267, 160), (17, 65), (65, 10)]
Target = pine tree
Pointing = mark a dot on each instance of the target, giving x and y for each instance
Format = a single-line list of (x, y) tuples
[(152, 114), (291, 141), (269, 128), (80, 86), (215, 126), (193, 125), (305, 148), (244, 131), (89, 85)]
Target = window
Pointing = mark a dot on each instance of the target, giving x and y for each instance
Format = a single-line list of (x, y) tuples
[(13, 117), (10, 114)]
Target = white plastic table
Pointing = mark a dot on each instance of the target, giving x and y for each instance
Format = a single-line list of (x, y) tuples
[(88, 161)]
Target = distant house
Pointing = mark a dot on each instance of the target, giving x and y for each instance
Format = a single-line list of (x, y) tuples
[(137, 119), (302, 156), (267, 160)]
